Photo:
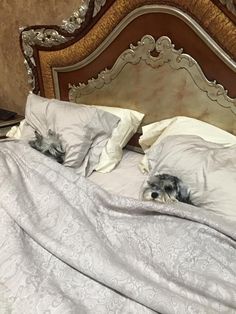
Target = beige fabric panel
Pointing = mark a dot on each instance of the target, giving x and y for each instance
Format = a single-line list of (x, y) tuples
[(161, 93)]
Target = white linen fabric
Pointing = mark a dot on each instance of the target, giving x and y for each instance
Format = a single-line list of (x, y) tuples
[(127, 127), (84, 130), (208, 169), (126, 179), (67, 246)]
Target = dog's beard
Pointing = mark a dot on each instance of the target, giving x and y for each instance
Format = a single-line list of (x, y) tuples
[(50, 146)]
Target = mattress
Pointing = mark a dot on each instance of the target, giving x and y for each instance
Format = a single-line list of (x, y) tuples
[(126, 179)]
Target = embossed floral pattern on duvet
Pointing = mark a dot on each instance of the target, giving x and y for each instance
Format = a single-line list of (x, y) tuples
[(67, 246)]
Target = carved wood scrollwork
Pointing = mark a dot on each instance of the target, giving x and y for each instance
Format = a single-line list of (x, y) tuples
[(166, 54), (49, 37)]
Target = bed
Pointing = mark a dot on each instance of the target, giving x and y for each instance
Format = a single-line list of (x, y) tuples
[(152, 84)]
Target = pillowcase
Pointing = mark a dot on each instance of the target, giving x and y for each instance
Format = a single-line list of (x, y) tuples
[(184, 125), (208, 169), (157, 131), (127, 127), (84, 130)]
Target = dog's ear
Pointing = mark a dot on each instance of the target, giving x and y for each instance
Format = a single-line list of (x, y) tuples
[(38, 136), (151, 181), (53, 134), (177, 181), (36, 143), (183, 191), (57, 148), (50, 133)]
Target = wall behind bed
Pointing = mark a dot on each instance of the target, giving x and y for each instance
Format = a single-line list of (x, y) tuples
[(13, 14)]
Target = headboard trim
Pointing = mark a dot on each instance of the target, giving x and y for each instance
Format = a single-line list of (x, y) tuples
[(54, 35), (229, 5), (75, 21), (166, 54), (35, 37), (157, 8), (42, 37), (77, 18), (98, 4)]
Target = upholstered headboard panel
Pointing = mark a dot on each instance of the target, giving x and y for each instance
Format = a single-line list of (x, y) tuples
[(163, 58)]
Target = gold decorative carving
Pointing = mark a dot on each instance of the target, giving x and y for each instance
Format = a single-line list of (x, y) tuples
[(98, 4), (230, 5), (76, 19), (49, 37), (78, 16), (31, 78), (167, 54), (42, 37)]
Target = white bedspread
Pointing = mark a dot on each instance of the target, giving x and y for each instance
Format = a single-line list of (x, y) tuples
[(67, 246)]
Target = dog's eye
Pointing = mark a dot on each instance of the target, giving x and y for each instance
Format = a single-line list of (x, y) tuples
[(168, 188), (154, 195)]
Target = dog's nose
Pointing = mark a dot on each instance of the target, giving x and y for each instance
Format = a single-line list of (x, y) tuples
[(154, 195)]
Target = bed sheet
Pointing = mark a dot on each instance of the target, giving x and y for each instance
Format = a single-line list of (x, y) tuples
[(126, 179)]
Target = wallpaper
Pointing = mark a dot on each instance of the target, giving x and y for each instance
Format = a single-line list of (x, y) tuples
[(14, 14)]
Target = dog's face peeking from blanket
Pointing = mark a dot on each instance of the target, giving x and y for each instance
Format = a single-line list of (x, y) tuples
[(165, 188), (50, 146)]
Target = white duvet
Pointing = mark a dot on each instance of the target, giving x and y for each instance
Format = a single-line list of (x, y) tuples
[(67, 246)]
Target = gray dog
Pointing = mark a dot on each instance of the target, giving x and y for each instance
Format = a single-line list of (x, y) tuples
[(165, 188), (50, 146)]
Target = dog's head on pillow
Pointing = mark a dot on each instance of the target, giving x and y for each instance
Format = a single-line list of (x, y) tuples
[(165, 188), (50, 145)]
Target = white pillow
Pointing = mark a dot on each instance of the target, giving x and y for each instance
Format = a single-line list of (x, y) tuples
[(83, 130), (151, 132), (112, 152), (126, 128), (184, 126), (208, 169), (157, 131)]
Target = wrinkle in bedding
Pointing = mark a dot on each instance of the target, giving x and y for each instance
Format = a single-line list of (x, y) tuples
[(126, 179), (72, 247)]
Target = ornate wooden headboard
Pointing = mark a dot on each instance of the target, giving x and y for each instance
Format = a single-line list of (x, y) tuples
[(162, 58)]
